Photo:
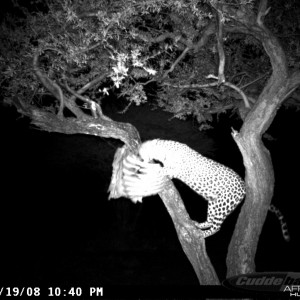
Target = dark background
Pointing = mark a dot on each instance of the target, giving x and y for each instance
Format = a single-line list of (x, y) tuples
[(57, 225)]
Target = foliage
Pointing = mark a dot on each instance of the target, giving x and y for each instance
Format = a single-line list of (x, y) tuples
[(138, 43)]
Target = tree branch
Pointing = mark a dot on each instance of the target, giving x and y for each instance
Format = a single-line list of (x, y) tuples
[(53, 88), (294, 80), (50, 122), (181, 56), (208, 31), (221, 75), (246, 102), (102, 126), (89, 85), (253, 81), (199, 86), (190, 237), (94, 107)]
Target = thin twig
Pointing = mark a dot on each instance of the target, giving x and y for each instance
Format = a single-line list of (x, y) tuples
[(181, 56)]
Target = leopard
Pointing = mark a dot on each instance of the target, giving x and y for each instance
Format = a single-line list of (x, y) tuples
[(222, 187), (158, 161)]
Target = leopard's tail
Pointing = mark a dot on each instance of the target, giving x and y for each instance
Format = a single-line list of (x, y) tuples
[(279, 215)]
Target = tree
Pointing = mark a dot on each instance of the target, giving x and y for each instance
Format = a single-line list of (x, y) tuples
[(177, 55)]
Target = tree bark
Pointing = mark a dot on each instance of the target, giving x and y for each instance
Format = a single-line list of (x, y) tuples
[(259, 174), (190, 237), (260, 185), (50, 122), (259, 170)]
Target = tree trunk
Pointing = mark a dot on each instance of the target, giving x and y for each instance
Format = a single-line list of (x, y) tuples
[(259, 171), (260, 186), (190, 237), (259, 174)]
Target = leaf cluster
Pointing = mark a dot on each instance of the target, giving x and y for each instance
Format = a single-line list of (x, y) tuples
[(138, 43)]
